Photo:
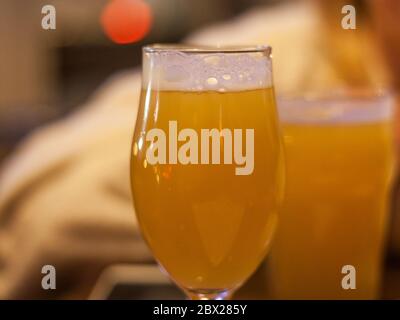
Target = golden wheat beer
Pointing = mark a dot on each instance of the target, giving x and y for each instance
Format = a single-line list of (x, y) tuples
[(339, 162), (207, 166)]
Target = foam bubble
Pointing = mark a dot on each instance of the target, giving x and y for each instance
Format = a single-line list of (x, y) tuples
[(188, 71), (341, 110)]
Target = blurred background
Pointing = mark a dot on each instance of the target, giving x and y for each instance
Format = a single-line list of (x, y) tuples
[(68, 100), (46, 74)]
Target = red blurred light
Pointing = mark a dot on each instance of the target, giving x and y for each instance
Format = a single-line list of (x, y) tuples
[(126, 21)]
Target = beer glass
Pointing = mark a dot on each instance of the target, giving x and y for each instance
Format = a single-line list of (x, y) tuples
[(206, 165), (340, 160)]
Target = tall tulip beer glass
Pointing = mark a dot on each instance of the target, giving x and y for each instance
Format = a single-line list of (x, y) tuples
[(206, 165)]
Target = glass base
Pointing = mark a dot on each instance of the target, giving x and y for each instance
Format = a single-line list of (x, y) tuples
[(204, 294)]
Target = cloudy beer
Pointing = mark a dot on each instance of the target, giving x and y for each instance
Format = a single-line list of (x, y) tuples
[(208, 180), (340, 159)]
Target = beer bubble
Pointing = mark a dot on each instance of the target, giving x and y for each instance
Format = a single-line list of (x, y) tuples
[(212, 81)]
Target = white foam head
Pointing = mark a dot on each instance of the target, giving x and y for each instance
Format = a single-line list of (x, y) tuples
[(337, 110), (207, 70)]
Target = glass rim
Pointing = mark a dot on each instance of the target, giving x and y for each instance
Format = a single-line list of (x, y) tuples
[(340, 94), (345, 106), (202, 49)]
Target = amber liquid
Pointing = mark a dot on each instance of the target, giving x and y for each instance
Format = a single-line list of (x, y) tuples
[(335, 210), (206, 226)]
